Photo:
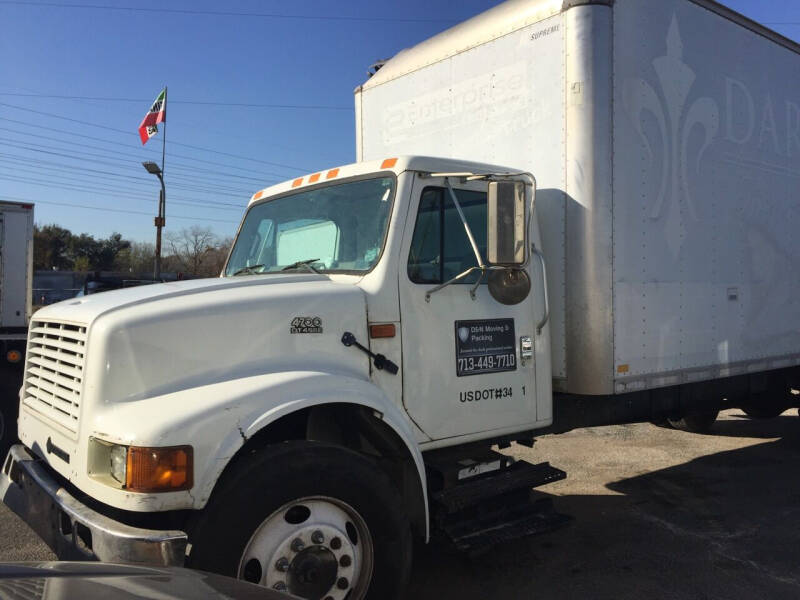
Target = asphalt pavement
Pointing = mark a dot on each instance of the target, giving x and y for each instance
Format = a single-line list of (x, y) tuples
[(657, 514)]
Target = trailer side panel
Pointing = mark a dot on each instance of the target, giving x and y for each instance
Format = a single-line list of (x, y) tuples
[(707, 166)]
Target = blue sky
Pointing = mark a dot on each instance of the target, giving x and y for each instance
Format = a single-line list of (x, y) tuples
[(59, 151)]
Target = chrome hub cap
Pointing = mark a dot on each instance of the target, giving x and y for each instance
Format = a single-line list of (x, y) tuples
[(316, 548)]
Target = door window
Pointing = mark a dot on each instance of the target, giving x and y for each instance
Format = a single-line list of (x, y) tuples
[(440, 248)]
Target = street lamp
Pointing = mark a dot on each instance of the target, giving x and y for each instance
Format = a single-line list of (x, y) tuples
[(160, 220)]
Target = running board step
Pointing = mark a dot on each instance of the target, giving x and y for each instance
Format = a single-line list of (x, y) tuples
[(479, 534), (518, 476)]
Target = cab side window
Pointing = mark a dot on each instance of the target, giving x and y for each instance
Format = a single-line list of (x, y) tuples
[(440, 248)]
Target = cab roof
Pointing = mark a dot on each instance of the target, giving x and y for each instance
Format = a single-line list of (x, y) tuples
[(394, 164)]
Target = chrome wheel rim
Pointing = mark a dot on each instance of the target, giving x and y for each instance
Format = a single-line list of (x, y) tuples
[(317, 548)]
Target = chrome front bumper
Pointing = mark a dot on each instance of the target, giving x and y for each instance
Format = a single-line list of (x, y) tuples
[(75, 531)]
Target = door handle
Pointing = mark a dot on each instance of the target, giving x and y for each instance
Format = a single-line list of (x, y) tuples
[(546, 316), (525, 348)]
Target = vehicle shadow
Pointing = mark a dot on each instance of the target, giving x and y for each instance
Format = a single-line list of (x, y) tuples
[(740, 425), (724, 525)]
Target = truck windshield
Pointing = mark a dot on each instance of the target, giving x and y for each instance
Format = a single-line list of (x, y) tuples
[(342, 226)]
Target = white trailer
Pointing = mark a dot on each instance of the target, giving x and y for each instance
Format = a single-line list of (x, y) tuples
[(16, 276), (380, 326), (665, 139)]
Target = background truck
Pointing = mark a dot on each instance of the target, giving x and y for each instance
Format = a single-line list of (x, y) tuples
[(380, 327), (16, 276)]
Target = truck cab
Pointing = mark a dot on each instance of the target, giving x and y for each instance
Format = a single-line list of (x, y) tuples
[(367, 314), (395, 232)]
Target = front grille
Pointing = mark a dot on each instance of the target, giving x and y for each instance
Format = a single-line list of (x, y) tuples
[(54, 371)]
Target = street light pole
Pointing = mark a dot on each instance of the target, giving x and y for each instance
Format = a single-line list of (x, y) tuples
[(160, 220)]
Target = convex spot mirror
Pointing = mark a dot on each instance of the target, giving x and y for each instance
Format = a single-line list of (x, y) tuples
[(505, 236), (509, 286)]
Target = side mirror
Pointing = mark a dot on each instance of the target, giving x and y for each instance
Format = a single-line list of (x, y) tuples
[(505, 219)]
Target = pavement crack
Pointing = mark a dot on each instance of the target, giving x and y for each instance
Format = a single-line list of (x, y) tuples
[(717, 543)]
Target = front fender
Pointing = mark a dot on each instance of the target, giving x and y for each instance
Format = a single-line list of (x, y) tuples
[(218, 419)]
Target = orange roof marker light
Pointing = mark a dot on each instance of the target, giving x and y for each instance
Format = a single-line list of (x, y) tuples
[(297, 182), (332, 173), (314, 178), (258, 195), (388, 163)]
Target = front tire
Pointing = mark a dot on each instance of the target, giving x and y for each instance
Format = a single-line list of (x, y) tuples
[(313, 519)]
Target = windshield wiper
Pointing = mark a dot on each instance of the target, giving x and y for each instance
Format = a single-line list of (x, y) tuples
[(302, 263), (250, 270)]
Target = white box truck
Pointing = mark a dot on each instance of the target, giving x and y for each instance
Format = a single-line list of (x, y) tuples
[(16, 276), (380, 327)]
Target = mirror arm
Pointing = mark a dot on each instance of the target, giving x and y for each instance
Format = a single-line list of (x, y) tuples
[(531, 181), (472, 241), (448, 282), (477, 283), (460, 276), (540, 325), (483, 267)]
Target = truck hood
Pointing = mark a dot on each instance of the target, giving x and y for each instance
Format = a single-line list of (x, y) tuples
[(156, 339), (85, 309)]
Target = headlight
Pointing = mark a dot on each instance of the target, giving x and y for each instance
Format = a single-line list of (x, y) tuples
[(117, 459), (140, 469)]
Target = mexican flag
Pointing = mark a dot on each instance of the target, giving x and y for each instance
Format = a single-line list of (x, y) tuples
[(156, 114)]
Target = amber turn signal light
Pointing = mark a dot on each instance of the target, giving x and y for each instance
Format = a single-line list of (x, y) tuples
[(159, 469), (14, 356), (385, 330)]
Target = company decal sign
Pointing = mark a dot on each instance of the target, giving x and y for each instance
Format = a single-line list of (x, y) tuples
[(485, 346)]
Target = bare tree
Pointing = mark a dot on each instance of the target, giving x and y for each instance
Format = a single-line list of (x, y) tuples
[(195, 249), (137, 259), (217, 258)]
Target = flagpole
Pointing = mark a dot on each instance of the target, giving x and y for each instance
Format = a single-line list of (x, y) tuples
[(164, 139), (162, 205)]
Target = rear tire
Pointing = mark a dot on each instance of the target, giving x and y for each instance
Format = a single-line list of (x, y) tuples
[(763, 412), (695, 422), (308, 494), (765, 405)]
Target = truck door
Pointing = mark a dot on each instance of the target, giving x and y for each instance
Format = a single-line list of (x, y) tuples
[(462, 372)]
